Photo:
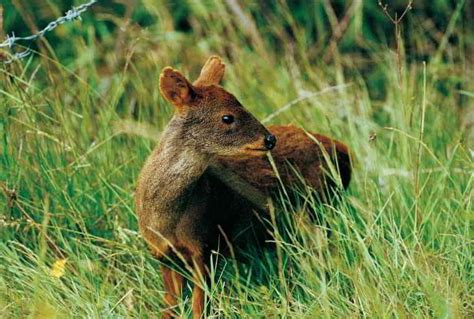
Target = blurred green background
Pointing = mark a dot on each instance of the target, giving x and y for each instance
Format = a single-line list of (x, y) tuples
[(81, 114), (438, 29)]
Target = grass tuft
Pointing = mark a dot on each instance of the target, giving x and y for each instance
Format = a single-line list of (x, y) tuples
[(80, 117)]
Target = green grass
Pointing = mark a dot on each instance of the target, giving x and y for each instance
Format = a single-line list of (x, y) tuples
[(400, 244)]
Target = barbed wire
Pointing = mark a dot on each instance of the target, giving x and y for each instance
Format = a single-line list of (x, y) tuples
[(70, 15)]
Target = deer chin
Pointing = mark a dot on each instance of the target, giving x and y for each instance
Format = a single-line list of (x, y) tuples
[(253, 150), (248, 150)]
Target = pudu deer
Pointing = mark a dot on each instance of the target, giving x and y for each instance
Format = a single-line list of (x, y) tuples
[(182, 208)]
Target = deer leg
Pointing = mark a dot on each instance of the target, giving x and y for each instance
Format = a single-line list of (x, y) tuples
[(173, 282), (200, 275)]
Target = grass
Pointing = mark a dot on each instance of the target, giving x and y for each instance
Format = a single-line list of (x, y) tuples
[(400, 244)]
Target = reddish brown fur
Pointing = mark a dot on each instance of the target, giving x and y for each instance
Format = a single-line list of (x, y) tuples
[(183, 208), (296, 148)]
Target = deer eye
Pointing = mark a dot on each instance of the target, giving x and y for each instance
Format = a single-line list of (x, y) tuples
[(228, 119)]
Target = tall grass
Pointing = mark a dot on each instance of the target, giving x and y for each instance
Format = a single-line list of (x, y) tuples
[(400, 243)]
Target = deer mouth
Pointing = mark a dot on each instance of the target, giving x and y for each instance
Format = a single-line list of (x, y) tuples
[(254, 151), (257, 149)]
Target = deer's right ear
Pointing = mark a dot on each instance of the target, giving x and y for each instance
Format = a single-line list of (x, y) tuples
[(175, 87), (212, 72)]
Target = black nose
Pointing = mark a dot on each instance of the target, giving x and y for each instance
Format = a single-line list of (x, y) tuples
[(270, 141)]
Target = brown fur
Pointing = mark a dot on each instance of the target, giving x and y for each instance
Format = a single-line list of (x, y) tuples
[(296, 148), (181, 205)]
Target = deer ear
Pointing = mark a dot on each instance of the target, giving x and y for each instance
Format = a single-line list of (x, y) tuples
[(212, 72), (175, 87)]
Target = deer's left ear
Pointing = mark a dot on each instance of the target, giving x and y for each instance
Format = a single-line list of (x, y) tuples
[(176, 88), (212, 72)]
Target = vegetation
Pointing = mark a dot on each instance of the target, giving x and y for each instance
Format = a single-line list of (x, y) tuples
[(80, 116)]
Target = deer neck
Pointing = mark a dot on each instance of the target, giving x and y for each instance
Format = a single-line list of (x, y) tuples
[(177, 167)]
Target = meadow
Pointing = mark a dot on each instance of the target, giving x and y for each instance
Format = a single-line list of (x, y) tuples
[(80, 115)]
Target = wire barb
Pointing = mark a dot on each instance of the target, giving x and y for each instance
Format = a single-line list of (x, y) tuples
[(11, 40)]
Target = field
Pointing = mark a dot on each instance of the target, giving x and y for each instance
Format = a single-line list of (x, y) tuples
[(80, 115)]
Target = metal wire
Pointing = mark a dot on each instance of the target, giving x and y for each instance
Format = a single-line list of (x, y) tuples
[(73, 14)]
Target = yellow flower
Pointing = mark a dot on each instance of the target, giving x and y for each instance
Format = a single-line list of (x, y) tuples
[(58, 268)]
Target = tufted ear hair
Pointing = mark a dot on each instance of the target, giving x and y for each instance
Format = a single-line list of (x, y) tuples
[(211, 73), (176, 88)]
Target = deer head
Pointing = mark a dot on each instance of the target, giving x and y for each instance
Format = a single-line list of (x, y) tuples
[(212, 119)]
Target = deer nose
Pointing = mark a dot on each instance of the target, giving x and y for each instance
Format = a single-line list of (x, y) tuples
[(270, 141)]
